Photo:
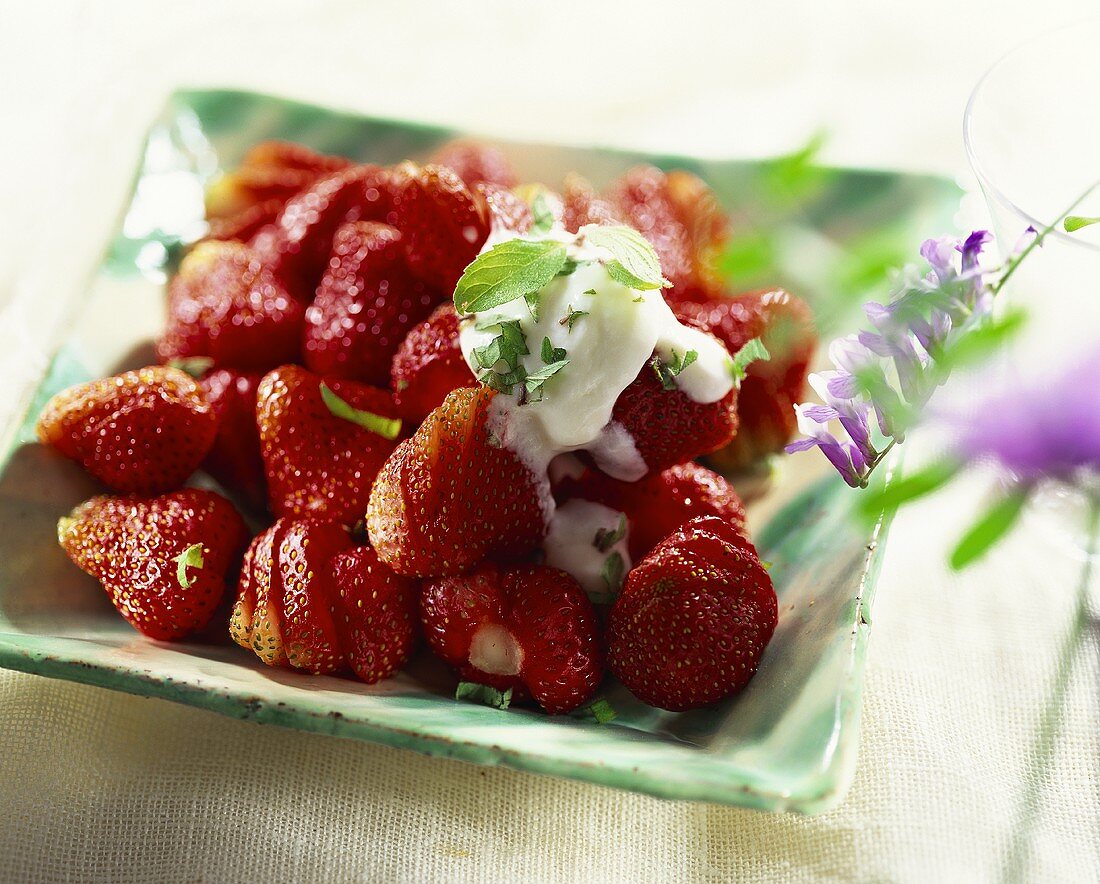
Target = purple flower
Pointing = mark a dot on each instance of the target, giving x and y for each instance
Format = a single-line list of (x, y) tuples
[(845, 457)]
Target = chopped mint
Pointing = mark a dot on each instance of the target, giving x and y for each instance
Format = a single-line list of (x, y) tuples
[(542, 213), (504, 382), (532, 299), (606, 539), (196, 366), (600, 710), (634, 260), (614, 569), (569, 266), (667, 371), (750, 351), (534, 382), (592, 292), (571, 317), (550, 353), (388, 428), (510, 270), (509, 345), (483, 694), (189, 558)]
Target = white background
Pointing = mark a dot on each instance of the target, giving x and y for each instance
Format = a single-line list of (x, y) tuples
[(951, 783)]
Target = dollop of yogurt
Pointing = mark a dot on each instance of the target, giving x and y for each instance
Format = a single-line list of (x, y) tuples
[(571, 544)]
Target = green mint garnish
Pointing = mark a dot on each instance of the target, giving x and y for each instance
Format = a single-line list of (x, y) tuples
[(386, 427), (189, 558), (532, 299), (569, 266), (751, 351), (600, 710), (541, 212), (571, 317), (667, 371), (510, 270), (504, 382), (509, 345), (550, 353), (535, 381), (614, 569), (196, 366), (483, 694), (606, 539), (634, 261), (1074, 223)]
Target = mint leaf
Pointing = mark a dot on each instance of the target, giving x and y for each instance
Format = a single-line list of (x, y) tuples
[(542, 213), (750, 351), (667, 371), (1073, 223), (614, 569), (189, 558), (550, 353), (600, 710), (532, 299), (569, 266), (504, 382), (572, 316), (483, 694), (508, 346), (510, 270), (990, 527), (535, 381), (606, 539), (386, 427), (635, 263), (196, 366)]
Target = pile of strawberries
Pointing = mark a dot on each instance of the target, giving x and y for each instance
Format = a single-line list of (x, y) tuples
[(310, 365)]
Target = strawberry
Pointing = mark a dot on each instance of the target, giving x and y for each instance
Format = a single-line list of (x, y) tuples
[(667, 426), (298, 246), (309, 599), (525, 628), (475, 163), (366, 303), (441, 221), (319, 455), (226, 305), (658, 504), (162, 560), (234, 460), (143, 431), (453, 494), (583, 206), (245, 224), (693, 618), (429, 364), (502, 209), (765, 404)]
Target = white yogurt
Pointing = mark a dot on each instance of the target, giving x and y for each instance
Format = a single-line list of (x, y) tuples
[(570, 545)]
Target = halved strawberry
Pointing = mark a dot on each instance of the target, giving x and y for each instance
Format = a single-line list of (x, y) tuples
[(234, 459), (319, 463), (144, 431), (366, 303), (765, 404), (528, 628), (226, 305), (582, 205), (668, 427), (429, 364), (441, 222), (452, 494), (309, 599), (657, 505), (476, 162), (693, 618), (162, 560)]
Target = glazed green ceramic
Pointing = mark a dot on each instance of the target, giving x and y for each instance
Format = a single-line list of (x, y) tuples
[(788, 742)]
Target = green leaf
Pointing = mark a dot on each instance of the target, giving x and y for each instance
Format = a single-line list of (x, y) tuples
[(532, 299), (667, 371), (569, 266), (508, 346), (795, 174), (751, 256), (196, 366), (990, 527), (1073, 223), (510, 270), (534, 382), (542, 213), (483, 694), (550, 353), (751, 351), (572, 316), (600, 710), (386, 427), (189, 558), (898, 491), (606, 539), (504, 382), (981, 341), (614, 569), (635, 263)]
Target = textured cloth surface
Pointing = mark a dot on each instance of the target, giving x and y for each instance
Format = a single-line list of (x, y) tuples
[(980, 755)]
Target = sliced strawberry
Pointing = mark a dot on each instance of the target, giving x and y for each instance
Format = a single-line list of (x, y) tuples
[(234, 459), (226, 305), (317, 463), (693, 618), (452, 494), (527, 627), (582, 205), (162, 560), (667, 426), (429, 364), (441, 221), (144, 431), (366, 303), (256, 622), (476, 162), (765, 405), (657, 505)]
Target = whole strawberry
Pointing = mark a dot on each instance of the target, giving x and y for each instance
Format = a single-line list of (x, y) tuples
[(693, 618), (234, 459), (225, 304), (322, 442), (162, 560), (525, 628), (144, 431), (765, 404), (429, 364), (310, 599), (452, 494), (502, 209), (476, 162), (582, 205), (366, 303)]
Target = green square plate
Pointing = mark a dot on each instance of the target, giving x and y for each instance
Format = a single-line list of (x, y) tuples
[(787, 743)]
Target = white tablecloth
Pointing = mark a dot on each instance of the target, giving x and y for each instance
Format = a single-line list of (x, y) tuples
[(981, 744)]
